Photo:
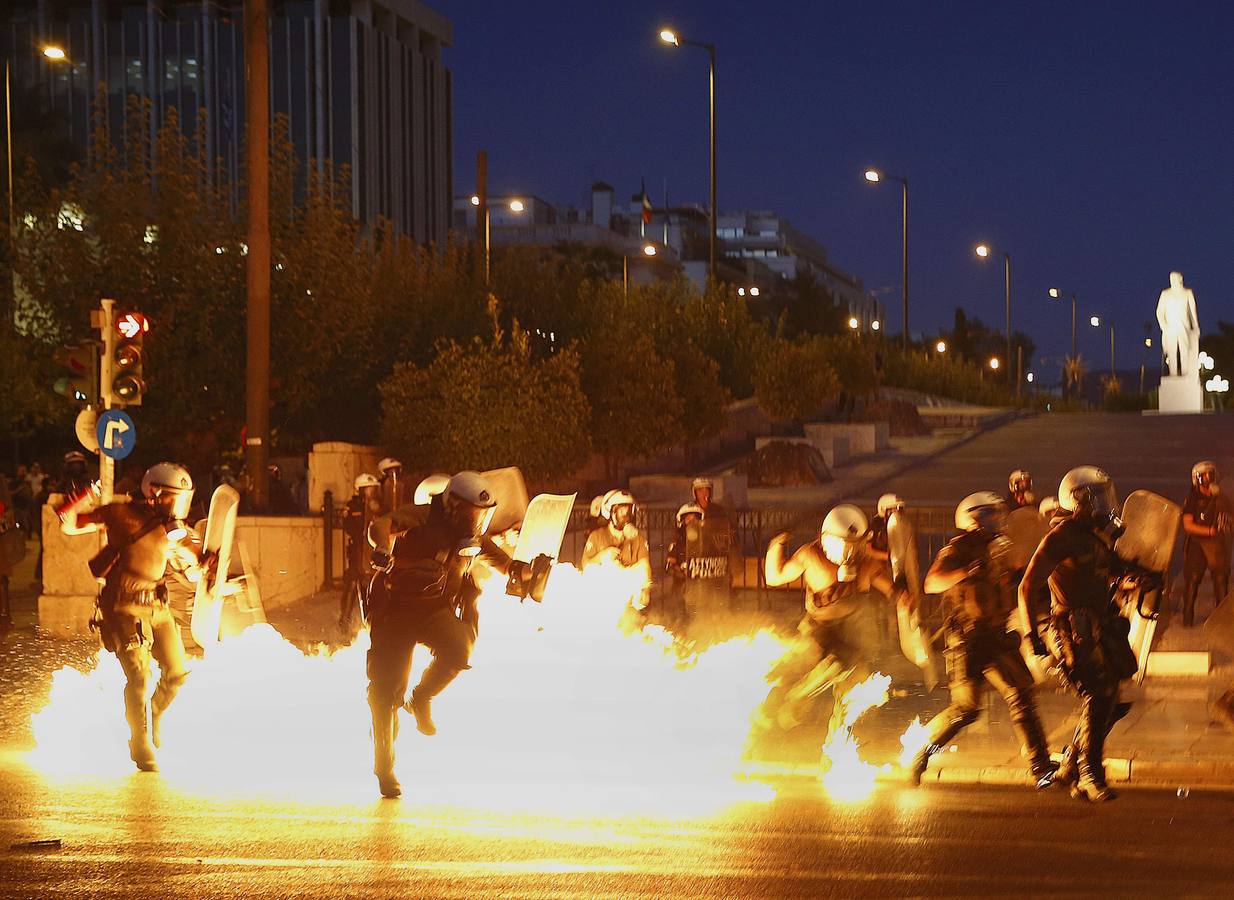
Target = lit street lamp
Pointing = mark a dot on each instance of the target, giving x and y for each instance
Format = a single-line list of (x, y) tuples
[(853, 323), (53, 53), (649, 250), (941, 347), (876, 325), (983, 251), (874, 176), (515, 206), (1056, 294), (669, 36), (1095, 321)]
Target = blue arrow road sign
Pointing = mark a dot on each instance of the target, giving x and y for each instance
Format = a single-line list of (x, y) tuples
[(116, 433)]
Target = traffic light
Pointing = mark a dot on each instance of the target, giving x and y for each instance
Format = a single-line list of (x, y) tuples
[(128, 359), (79, 378)]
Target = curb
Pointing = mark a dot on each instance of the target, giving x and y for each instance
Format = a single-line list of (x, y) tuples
[(1123, 772)]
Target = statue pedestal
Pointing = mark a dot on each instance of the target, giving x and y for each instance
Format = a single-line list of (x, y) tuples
[(1180, 394)]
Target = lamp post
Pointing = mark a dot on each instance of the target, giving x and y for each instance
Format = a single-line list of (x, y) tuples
[(669, 36), (53, 53), (649, 250), (1095, 321), (1055, 293), (874, 176), (516, 206), (984, 251)]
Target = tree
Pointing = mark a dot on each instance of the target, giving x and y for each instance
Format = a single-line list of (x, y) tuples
[(804, 305), (796, 380), (488, 404), (635, 410)]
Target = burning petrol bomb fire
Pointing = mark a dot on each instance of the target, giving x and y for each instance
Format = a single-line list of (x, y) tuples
[(846, 776), (561, 711)]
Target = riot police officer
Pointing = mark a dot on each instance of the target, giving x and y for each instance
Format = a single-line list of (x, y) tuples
[(134, 620), (1085, 634), (1208, 525), (973, 575)]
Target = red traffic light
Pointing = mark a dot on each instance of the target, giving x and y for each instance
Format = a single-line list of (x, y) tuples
[(132, 324)]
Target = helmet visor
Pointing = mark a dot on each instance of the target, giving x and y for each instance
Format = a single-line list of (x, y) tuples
[(174, 502), (839, 551), (468, 519)]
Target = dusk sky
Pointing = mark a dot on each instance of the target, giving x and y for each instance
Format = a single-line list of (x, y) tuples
[(1093, 141)]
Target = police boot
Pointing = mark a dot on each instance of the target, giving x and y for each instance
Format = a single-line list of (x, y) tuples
[(385, 724), (141, 750), (1040, 766), (920, 762), (1091, 784), (1068, 772), (420, 706), (166, 691)]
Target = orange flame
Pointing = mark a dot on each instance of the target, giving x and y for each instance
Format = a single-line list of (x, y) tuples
[(560, 711), (846, 776)]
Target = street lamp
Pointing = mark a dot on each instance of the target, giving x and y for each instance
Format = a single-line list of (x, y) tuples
[(53, 53), (876, 325), (941, 347), (1095, 321), (515, 205), (874, 176), (670, 36), (853, 323), (994, 363), (983, 251), (649, 250), (1057, 294)]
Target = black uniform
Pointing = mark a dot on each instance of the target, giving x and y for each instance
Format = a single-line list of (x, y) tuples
[(1206, 554), (1084, 632), (981, 650), (429, 597)]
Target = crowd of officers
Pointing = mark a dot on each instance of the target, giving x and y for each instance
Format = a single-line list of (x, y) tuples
[(426, 554)]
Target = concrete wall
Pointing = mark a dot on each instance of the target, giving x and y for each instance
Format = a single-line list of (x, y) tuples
[(864, 437), (834, 448)]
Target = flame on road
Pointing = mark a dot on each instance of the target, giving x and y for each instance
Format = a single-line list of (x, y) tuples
[(560, 711), (913, 741), (846, 776)]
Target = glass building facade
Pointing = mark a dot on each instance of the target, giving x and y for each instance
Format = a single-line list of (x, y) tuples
[(361, 82)]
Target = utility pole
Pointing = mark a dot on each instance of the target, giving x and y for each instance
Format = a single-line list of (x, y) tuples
[(482, 223), (257, 368), (107, 324)]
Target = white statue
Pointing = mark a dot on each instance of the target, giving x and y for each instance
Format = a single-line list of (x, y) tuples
[(1180, 328)]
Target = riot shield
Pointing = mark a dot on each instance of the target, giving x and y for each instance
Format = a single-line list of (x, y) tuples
[(1024, 529), (208, 599), (1152, 524)]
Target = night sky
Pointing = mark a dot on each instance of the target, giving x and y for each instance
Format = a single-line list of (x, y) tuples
[(1094, 141)]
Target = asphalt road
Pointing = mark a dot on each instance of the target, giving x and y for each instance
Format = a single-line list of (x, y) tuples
[(135, 836)]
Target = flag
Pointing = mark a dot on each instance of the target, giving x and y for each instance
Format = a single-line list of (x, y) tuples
[(646, 201)]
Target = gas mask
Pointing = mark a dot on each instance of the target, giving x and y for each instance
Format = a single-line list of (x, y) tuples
[(844, 554), (621, 515)]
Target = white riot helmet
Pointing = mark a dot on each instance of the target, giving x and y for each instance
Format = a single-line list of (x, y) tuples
[(1048, 507), (842, 535), (171, 481), (387, 464), (1088, 491), (1205, 473), (1020, 481), (702, 483), (689, 509), (430, 487), (614, 501), (888, 502), (982, 511), (596, 503), (366, 480), (469, 502)]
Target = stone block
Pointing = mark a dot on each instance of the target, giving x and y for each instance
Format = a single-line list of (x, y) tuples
[(287, 553), (333, 466), (66, 617), (1178, 663), (864, 438), (66, 557), (1180, 394)]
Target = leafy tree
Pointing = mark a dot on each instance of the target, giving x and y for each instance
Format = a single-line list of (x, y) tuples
[(796, 380), (488, 404), (635, 409)]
